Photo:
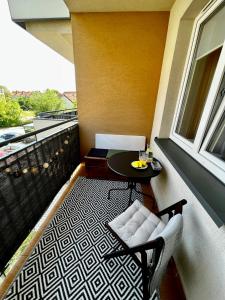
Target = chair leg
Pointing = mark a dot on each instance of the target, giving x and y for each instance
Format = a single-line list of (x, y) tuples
[(145, 278), (145, 284), (116, 253)]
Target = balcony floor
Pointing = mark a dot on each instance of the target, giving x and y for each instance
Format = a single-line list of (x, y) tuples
[(67, 262)]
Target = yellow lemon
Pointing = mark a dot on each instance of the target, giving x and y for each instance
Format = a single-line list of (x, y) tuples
[(135, 164), (144, 163)]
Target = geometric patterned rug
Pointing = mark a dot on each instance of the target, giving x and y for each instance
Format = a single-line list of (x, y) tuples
[(68, 263)]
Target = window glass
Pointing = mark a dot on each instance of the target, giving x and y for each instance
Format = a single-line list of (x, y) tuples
[(213, 32), (217, 103), (203, 66), (217, 143), (192, 108)]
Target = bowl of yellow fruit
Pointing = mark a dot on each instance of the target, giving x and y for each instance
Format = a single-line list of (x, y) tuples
[(139, 164)]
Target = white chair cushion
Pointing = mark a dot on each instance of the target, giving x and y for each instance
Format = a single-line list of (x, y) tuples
[(137, 225)]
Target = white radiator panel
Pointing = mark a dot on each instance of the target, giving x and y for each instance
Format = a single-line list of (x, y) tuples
[(120, 142)]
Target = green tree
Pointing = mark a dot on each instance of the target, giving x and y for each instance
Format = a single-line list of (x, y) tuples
[(46, 101), (75, 103), (25, 103), (10, 112)]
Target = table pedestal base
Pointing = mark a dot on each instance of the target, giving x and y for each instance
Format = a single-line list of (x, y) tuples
[(132, 187)]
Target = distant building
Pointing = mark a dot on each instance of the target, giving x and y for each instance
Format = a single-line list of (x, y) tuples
[(22, 93), (69, 99)]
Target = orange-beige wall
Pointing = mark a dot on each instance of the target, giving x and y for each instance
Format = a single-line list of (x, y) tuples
[(118, 58)]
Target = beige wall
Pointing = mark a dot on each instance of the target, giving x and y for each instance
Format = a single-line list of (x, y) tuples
[(201, 256), (118, 59)]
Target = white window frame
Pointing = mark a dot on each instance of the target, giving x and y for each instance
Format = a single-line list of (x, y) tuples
[(196, 149)]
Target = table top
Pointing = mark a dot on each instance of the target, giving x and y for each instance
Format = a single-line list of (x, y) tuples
[(120, 163)]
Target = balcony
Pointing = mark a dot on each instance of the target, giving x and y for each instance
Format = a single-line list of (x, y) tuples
[(46, 194), (133, 61)]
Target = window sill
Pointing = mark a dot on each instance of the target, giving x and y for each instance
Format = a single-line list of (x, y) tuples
[(208, 189)]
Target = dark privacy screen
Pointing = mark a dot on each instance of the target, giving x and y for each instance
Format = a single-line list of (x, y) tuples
[(29, 180)]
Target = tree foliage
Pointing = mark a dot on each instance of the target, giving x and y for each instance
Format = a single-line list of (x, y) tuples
[(46, 101), (24, 103), (10, 112), (41, 102), (11, 108), (75, 103)]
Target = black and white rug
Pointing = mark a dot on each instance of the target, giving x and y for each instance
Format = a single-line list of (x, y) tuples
[(68, 262)]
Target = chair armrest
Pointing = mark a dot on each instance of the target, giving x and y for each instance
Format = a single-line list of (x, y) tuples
[(174, 209), (155, 244), (158, 242)]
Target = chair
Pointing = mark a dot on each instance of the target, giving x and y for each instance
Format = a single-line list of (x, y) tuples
[(150, 241)]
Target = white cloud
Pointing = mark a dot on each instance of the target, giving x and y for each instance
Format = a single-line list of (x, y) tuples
[(28, 64)]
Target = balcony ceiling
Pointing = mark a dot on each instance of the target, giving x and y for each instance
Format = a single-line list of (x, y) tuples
[(118, 5), (24, 10)]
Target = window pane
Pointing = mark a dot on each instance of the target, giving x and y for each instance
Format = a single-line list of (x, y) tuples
[(204, 62), (217, 142), (213, 33), (196, 94), (217, 103)]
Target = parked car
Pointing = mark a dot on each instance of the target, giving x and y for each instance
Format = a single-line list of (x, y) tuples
[(8, 136)]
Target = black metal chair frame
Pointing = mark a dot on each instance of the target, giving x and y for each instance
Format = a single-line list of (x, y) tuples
[(156, 245)]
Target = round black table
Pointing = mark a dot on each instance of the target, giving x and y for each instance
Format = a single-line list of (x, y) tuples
[(120, 163)]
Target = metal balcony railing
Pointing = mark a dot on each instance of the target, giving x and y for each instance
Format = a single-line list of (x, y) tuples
[(58, 114), (29, 179)]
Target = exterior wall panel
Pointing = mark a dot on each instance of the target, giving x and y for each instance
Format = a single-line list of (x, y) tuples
[(201, 257), (118, 58)]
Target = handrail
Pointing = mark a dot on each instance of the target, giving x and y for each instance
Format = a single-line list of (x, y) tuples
[(21, 137), (57, 114), (53, 111)]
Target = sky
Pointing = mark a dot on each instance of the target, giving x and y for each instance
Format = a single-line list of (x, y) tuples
[(26, 63)]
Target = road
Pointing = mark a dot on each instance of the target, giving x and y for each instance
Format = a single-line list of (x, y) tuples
[(18, 130)]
